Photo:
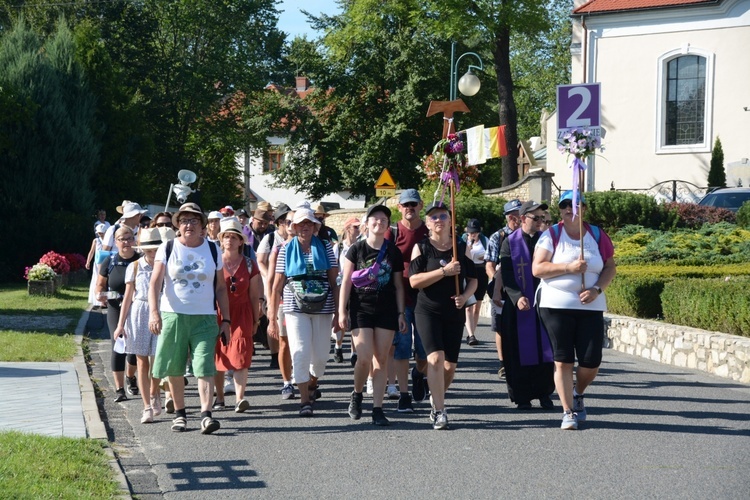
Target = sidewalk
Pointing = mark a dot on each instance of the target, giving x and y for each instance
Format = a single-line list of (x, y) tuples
[(61, 396)]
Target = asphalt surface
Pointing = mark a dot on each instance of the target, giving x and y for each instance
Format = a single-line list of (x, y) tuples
[(653, 431)]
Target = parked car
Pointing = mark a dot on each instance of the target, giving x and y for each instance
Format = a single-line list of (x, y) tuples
[(729, 198)]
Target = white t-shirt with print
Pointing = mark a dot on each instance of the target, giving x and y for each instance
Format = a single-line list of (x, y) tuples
[(561, 292), (189, 278)]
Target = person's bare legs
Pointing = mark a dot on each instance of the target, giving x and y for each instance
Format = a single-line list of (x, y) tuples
[(177, 391), (205, 391), (436, 378), (285, 359), (219, 383), (381, 341), (584, 377), (240, 383), (144, 380)]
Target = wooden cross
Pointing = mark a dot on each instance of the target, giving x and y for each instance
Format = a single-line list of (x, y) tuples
[(447, 108), (521, 274)]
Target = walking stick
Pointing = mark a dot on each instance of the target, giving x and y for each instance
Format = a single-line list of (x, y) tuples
[(580, 222), (453, 229)]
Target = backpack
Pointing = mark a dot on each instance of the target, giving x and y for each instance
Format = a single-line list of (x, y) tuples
[(593, 230), (214, 254)]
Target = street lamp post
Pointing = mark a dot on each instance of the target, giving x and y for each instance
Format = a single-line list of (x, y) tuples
[(469, 84)]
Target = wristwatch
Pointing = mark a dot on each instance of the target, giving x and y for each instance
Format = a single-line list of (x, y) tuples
[(598, 289)]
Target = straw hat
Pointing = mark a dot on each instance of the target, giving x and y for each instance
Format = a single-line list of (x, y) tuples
[(232, 225)]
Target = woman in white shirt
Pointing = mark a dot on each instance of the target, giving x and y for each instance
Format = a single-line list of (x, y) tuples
[(476, 247), (571, 302)]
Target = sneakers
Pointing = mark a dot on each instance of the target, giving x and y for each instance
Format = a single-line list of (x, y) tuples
[(148, 416), (179, 424), (120, 395), (369, 389), (501, 371), (218, 405), (156, 405), (209, 425), (242, 406), (472, 340), (229, 384), (338, 355), (131, 385), (392, 392), (355, 405), (169, 406), (404, 403), (287, 392), (378, 418), (569, 421), (546, 403), (418, 385), (441, 420), (579, 408)]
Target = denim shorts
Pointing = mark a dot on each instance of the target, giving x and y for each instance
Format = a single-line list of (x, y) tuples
[(403, 342)]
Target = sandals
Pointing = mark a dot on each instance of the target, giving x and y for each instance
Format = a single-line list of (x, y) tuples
[(315, 393), (305, 410), (209, 425), (179, 424), (218, 405)]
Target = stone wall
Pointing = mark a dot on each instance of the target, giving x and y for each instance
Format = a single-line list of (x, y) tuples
[(535, 185), (727, 356)]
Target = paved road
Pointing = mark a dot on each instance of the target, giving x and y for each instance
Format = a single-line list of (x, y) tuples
[(653, 432)]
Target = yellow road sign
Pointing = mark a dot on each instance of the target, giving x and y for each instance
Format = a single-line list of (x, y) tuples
[(385, 192), (385, 181)]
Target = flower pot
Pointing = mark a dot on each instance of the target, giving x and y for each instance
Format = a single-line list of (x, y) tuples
[(46, 287)]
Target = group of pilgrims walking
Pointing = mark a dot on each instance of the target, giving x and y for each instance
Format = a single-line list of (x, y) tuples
[(190, 291)]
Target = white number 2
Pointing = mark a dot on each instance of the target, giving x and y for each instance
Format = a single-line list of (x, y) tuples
[(575, 119)]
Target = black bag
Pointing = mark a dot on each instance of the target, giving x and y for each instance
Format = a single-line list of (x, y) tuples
[(261, 334)]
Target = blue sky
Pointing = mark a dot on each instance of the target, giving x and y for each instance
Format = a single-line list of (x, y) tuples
[(294, 23)]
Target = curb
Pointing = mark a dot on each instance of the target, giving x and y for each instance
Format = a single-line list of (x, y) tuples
[(94, 425)]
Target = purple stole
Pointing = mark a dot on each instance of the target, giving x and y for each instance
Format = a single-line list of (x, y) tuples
[(529, 329)]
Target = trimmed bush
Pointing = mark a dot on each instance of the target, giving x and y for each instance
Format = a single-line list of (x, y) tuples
[(636, 296), (743, 216), (711, 304), (638, 290), (712, 244)]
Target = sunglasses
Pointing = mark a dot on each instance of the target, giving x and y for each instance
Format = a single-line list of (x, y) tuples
[(163, 224), (436, 218), (410, 204), (232, 281), (535, 218)]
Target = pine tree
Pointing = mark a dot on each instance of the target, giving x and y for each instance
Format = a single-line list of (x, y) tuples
[(717, 177), (47, 170)]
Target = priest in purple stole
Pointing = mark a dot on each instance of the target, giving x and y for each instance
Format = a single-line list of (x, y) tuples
[(527, 352)]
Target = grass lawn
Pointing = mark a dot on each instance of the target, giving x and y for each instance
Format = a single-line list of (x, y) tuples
[(52, 320), (50, 467)]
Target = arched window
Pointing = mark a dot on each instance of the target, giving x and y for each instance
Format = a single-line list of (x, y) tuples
[(685, 95), (686, 100)]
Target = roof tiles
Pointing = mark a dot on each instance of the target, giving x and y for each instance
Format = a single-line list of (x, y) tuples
[(602, 6)]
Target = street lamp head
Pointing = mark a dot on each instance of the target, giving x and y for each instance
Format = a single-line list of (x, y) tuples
[(469, 84)]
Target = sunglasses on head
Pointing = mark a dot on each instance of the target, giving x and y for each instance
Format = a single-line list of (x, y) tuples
[(436, 218), (410, 204)]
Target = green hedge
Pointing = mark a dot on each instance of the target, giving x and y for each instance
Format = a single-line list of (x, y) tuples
[(711, 304), (638, 291)]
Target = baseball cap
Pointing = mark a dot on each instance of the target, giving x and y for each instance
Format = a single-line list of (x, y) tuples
[(409, 195), (511, 206), (530, 206)]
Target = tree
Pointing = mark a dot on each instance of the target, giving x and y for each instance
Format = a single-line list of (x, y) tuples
[(375, 71), (717, 177), (491, 24), (539, 65), (54, 151)]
